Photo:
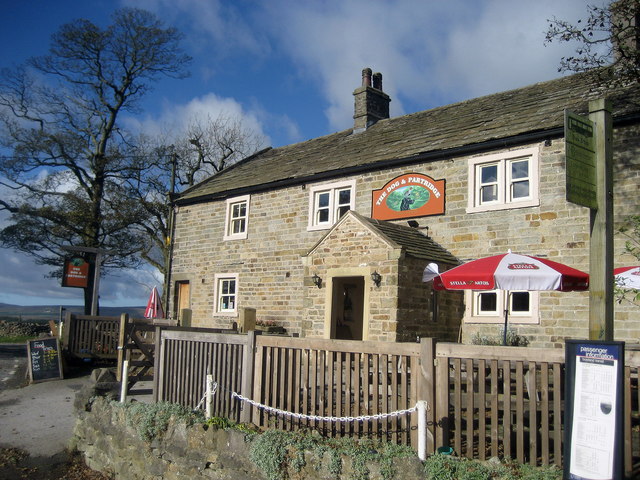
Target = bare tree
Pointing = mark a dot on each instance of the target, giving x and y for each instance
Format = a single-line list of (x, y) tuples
[(211, 144), (206, 147), (65, 178), (607, 42)]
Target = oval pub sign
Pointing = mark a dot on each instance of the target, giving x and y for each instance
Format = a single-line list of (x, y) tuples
[(407, 196)]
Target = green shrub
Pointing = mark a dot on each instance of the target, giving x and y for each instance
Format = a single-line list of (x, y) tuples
[(274, 450), (513, 339), (445, 467), (152, 419)]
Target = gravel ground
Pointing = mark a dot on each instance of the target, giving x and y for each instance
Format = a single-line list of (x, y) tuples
[(16, 464)]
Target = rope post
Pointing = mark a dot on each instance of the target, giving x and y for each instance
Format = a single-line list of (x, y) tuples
[(209, 397), (422, 430), (125, 380)]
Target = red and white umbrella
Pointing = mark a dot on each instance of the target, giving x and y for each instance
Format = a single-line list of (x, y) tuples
[(154, 305), (509, 271), (512, 271), (627, 277)]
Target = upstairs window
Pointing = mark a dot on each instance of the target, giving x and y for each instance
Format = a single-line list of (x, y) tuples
[(502, 181), (237, 218), (328, 203)]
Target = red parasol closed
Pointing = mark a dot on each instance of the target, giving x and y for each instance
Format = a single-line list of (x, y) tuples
[(154, 305)]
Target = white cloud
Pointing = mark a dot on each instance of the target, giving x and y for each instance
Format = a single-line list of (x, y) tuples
[(504, 47), (176, 118), (430, 53)]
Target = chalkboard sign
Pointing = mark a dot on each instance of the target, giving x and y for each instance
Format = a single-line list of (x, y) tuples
[(44, 359)]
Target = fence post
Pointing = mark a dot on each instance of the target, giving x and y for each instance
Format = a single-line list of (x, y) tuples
[(248, 369), (422, 430), (124, 318), (209, 396), (156, 363), (442, 400), (125, 380), (66, 331), (426, 392), (160, 371)]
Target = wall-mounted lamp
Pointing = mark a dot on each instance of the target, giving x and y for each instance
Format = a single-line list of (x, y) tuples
[(376, 277), (317, 281)]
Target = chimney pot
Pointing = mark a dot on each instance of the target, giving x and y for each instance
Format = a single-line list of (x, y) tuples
[(366, 77), (377, 81)]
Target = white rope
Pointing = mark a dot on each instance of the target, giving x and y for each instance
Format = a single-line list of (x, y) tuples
[(302, 416), (377, 416), (204, 397)]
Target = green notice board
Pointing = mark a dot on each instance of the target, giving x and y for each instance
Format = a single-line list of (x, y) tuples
[(580, 154), (44, 359)]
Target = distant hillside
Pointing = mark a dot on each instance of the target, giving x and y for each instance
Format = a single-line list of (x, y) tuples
[(52, 312)]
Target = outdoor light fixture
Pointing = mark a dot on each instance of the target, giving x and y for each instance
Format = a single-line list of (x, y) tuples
[(317, 281), (376, 277)]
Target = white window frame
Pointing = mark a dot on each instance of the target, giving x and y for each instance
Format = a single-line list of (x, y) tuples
[(504, 181), (217, 295), (473, 315), (229, 219), (332, 189)]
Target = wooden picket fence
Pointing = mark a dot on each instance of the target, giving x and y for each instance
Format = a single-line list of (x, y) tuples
[(483, 401), (86, 336), (501, 401)]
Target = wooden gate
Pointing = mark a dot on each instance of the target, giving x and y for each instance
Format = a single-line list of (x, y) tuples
[(136, 344)]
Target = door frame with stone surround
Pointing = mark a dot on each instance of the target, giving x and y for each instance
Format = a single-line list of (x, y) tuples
[(339, 276)]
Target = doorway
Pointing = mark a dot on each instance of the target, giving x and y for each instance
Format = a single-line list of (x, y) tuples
[(182, 302), (347, 305)]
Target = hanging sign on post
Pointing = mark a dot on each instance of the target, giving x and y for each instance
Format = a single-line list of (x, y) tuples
[(75, 273), (581, 179)]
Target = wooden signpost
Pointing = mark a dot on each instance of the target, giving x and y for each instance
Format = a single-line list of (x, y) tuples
[(589, 162), (44, 359)]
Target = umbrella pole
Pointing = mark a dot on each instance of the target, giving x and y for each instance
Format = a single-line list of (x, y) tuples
[(506, 319)]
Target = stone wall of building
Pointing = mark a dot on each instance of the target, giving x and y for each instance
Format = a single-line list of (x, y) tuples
[(422, 311), (275, 278)]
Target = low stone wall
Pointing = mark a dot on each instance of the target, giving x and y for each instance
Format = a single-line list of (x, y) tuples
[(110, 445)]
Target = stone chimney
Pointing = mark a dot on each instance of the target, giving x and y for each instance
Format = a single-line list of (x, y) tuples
[(371, 103)]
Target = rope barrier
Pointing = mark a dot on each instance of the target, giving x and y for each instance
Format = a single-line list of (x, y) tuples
[(302, 416), (421, 407), (361, 418)]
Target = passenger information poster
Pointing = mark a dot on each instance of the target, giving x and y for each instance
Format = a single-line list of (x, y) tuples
[(594, 376)]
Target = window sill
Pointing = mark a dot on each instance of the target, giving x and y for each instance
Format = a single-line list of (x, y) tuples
[(513, 319), (504, 206)]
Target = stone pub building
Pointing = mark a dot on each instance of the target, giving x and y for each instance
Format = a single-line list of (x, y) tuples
[(329, 238)]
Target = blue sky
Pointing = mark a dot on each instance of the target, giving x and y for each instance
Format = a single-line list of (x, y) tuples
[(288, 69)]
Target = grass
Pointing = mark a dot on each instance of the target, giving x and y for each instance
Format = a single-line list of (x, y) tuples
[(17, 339)]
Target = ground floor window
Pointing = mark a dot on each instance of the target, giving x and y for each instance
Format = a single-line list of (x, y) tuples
[(226, 294), (489, 306)]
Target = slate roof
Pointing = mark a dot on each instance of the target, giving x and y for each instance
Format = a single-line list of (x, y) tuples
[(412, 240), (530, 112), (415, 243)]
